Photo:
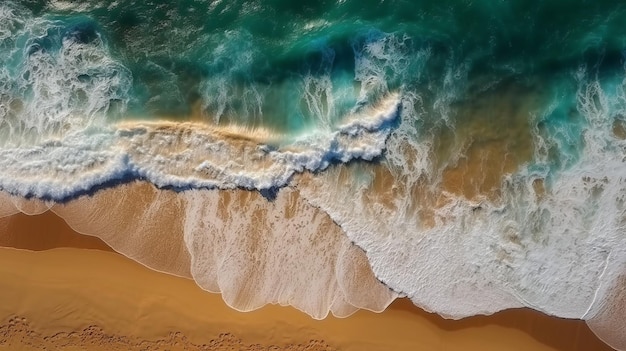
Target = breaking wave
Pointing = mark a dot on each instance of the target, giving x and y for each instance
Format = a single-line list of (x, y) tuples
[(360, 159)]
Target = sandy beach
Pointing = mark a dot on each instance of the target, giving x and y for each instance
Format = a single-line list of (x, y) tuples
[(346, 175), (66, 291)]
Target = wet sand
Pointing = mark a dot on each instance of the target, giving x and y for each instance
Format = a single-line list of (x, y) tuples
[(76, 293)]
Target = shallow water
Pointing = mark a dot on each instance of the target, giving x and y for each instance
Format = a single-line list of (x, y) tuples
[(472, 150)]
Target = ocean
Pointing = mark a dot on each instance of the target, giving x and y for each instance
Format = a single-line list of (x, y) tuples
[(469, 155)]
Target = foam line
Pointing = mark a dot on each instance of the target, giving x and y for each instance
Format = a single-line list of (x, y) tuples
[(183, 156)]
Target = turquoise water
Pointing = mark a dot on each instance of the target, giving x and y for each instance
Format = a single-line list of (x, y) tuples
[(294, 67), (471, 147), (245, 61)]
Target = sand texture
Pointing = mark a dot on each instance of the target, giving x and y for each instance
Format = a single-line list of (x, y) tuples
[(76, 294)]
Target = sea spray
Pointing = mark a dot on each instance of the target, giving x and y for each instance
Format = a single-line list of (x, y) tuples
[(473, 152)]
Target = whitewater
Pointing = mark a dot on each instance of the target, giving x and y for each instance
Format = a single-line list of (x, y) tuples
[(351, 170)]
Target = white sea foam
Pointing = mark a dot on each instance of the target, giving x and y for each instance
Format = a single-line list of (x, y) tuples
[(559, 252), (185, 156), (297, 257), (251, 250), (57, 143), (285, 252), (54, 84)]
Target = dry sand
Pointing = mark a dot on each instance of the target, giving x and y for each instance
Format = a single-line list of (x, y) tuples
[(76, 294)]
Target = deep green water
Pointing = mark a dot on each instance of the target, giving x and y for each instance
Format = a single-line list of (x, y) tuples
[(297, 66), (528, 96), (247, 60)]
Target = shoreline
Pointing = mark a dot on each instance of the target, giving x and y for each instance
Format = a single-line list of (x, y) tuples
[(68, 289)]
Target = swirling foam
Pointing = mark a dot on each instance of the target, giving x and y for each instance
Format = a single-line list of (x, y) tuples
[(551, 238), (186, 156), (237, 243)]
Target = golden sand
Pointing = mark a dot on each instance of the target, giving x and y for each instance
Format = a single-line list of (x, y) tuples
[(77, 294)]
